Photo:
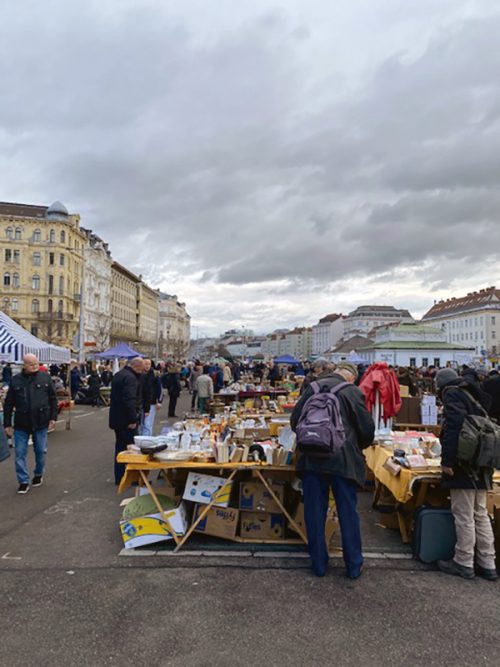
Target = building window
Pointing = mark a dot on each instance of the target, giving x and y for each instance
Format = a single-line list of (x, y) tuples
[(61, 284), (8, 255), (60, 307), (413, 362), (17, 256), (63, 236), (51, 258), (61, 260), (52, 236), (6, 304), (60, 329), (15, 280), (6, 279), (425, 361), (34, 330), (494, 349), (493, 319), (493, 334), (51, 284), (35, 306), (9, 233), (50, 305), (437, 362), (35, 282), (37, 259), (37, 235), (15, 305), (18, 234)]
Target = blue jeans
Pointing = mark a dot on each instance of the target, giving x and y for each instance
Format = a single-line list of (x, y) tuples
[(39, 445), (148, 422), (316, 489)]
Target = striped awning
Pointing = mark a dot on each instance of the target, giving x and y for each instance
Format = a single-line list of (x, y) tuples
[(15, 342)]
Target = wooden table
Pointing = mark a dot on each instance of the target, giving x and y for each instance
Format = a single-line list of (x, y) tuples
[(410, 489), (138, 467)]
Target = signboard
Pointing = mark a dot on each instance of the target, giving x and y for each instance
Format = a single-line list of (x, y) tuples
[(90, 344)]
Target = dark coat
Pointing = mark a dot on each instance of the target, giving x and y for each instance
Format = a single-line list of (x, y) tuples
[(94, 384), (456, 405), (75, 380), (491, 386), (126, 399), (151, 390), (359, 430), (6, 374), (33, 400), (172, 383)]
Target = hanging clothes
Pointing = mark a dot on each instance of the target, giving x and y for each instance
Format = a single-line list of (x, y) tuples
[(382, 379)]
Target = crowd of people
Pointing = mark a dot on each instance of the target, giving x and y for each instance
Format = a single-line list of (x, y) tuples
[(138, 389)]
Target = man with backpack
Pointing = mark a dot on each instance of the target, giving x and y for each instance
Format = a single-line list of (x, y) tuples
[(332, 426), (463, 401)]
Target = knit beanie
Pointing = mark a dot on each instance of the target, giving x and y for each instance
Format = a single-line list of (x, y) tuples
[(445, 376)]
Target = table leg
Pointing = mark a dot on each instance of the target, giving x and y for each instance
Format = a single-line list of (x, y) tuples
[(201, 516), (158, 505), (280, 505)]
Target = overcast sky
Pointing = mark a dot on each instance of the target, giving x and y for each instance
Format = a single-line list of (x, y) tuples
[(267, 161)]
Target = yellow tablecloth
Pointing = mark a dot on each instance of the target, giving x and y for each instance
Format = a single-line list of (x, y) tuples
[(401, 486)]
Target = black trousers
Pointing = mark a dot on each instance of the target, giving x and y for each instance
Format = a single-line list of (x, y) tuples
[(124, 437), (194, 396), (172, 403)]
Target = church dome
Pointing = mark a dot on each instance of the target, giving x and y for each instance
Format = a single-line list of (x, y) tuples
[(57, 210)]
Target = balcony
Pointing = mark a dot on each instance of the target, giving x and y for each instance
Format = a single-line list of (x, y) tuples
[(55, 316)]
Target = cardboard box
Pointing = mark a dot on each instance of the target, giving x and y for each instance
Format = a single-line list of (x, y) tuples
[(219, 522), (404, 390), (201, 488), (151, 528), (262, 525), (330, 525), (254, 497)]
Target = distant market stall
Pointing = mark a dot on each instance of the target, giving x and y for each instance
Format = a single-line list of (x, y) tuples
[(15, 342)]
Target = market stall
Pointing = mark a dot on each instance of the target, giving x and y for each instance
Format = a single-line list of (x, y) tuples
[(226, 478)]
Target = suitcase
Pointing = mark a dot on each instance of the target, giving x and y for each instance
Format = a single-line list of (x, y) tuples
[(434, 535)]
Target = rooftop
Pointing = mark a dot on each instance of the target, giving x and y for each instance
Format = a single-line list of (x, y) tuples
[(333, 317), (354, 343), (379, 311), (22, 210), (488, 297)]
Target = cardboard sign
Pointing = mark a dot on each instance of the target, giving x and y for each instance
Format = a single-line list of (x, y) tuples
[(152, 528), (201, 488)]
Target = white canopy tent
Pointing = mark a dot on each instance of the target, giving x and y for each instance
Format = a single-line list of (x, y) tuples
[(15, 342)]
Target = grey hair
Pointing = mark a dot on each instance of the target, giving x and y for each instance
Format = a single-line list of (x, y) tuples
[(322, 364)]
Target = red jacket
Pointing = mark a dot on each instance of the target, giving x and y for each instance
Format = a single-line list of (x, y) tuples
[(380, 378)]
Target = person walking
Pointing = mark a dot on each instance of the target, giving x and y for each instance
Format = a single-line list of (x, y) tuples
[(75, 381), (475, 547), (344, 472), (32, 400), (125, 408), (94, 385), (152, 397), (204, 389), (172, 383), (6, 374), (196, 371)]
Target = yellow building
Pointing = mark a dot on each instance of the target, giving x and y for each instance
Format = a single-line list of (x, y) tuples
[(134, 311), (148, 301), (41, 265), (123, 305)]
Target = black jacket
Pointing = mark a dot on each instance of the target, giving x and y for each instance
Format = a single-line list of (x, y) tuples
[(151, 390), (456, 405), (33, 400), (172, 383), (126, 399), (491, 386), (359, 429)]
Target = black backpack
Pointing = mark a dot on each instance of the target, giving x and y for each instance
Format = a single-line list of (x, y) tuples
[(478, 441)]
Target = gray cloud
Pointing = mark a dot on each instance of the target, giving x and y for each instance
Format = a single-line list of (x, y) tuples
[(233, 154)]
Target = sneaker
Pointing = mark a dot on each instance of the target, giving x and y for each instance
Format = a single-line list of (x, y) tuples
[(485, 573), (37, 480), (23, 488), (451, 567)]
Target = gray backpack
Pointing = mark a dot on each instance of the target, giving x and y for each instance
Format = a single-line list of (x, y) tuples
[(320, 431), (479, 440)]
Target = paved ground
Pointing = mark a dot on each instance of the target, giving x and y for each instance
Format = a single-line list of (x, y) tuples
[(68, 598)]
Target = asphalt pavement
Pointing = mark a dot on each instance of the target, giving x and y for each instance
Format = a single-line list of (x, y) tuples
[(67, 596)]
